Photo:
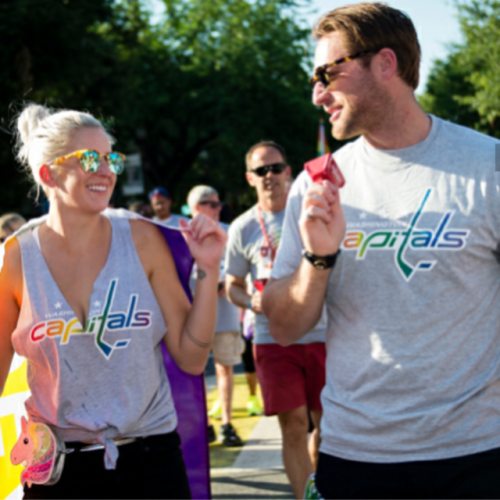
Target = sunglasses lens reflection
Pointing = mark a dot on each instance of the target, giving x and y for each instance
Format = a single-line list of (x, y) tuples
[(116, 163), (90, 161)]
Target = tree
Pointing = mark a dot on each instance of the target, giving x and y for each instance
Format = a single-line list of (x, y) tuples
[(236, 75), (465, 88), (50, 53), (191, 93)]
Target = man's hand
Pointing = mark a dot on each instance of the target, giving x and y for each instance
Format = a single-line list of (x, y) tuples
[(256, 302), (322, 222)]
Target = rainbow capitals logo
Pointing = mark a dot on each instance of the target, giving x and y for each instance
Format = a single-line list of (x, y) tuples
[(442, 238), (97, 325)]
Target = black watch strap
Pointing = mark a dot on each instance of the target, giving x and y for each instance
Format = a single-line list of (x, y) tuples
[(326, 262)]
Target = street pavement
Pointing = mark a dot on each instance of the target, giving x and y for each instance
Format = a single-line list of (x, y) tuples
[(254, 471), (258, 471)]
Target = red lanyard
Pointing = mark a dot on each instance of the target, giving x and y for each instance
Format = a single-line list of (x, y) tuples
[(266, 236)]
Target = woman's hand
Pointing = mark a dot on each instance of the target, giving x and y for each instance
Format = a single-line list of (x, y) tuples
[(206, 241)]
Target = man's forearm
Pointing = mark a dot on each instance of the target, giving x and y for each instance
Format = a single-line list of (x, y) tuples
[(293, 305), (237, 295)]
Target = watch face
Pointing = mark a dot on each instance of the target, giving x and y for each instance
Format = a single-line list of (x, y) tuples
[(320, 263)]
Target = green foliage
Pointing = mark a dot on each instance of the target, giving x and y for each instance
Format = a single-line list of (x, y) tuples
[(465, 88), (445, 89), (190, 93), (480, 23), (49, 54)]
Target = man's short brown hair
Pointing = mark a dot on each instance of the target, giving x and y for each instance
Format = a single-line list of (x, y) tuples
[(370, 26), (264, 144)]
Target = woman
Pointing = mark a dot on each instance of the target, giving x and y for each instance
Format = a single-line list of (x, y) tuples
[(87, 300)]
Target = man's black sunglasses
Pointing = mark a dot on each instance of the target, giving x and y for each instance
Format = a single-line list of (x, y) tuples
[(275, 168)]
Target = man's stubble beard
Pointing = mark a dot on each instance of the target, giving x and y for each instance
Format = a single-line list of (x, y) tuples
[(366, 112), (272, 195)]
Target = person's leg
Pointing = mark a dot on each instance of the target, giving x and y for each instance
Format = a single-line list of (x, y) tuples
[(298, 467), (314, 368), (225, 386), (253, 404), (252, 383), (227, 353), (225, 350), (314, 438)]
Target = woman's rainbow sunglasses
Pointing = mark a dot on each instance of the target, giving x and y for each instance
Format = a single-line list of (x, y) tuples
[(90, 160)]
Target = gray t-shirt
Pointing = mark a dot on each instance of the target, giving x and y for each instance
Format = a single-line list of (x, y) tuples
[(413, 343), (248, 252), (172, 221)]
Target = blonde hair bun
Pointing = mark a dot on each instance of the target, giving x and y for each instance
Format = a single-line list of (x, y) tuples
[(44, 134)]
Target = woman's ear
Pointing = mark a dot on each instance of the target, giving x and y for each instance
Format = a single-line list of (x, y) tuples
[(46, 176)]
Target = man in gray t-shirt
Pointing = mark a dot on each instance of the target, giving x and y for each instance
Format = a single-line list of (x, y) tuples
[(412, 401), (291, 377)]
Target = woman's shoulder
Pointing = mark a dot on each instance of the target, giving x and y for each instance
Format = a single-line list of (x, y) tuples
[(11, 265), (148, 239), (144, 231)]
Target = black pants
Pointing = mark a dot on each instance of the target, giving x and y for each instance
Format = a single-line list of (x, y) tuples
[(151, 467), (247, 356), (472, 476)]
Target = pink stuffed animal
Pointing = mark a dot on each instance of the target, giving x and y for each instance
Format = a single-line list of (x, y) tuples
[(35, 450)]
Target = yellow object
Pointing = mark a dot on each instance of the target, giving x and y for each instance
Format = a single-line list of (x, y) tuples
[(253, 406), (216, 410), (11, 409)]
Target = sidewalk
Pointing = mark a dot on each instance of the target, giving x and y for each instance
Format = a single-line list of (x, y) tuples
[(254, 471), (258, 471)]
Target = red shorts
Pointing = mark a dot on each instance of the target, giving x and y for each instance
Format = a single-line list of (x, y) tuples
[(291, 376)]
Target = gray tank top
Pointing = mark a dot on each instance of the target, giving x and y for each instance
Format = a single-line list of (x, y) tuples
[(106, 379)]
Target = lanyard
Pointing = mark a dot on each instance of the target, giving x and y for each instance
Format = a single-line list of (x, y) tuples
[(266, 236)]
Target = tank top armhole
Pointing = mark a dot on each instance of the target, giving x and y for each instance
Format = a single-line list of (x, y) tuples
[(26, 300), (35, 234)]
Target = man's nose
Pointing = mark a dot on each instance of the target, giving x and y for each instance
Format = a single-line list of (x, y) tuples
[(321, 95)]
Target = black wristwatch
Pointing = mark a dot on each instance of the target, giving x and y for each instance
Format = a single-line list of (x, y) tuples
[(326, 262)]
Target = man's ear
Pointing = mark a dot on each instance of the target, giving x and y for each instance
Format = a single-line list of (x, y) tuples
[(46, 176), (387, 63), (288, 172), (250, 179)]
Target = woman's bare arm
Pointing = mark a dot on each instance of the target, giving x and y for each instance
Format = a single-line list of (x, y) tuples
[(11, 279), (190, 327)]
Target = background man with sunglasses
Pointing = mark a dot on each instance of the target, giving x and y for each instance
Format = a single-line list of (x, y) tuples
[(228, 344), (291, 377), (412, 401)]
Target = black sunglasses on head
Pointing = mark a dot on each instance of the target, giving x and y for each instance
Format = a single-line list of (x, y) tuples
[(275, 168)]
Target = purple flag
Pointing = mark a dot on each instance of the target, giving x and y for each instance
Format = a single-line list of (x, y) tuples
[(188, 391)]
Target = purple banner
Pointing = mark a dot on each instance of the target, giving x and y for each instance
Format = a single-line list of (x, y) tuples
[(188, 391)]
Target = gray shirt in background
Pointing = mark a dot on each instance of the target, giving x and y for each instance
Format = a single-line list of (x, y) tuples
[(172, 221), (413, 340), (247, 252)]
